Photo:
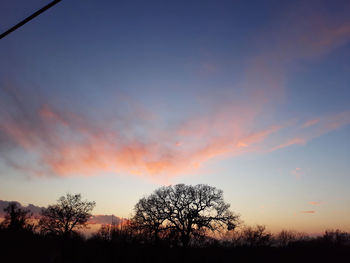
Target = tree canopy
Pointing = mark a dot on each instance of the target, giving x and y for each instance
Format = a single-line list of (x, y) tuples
[(70, 213), (16, 218), (184, 210)]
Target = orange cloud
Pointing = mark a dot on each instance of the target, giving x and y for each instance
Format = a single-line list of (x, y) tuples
[(67, 144), (308, 212), (79, 149)]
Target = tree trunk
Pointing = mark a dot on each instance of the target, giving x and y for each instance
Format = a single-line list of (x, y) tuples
[(185, 238)]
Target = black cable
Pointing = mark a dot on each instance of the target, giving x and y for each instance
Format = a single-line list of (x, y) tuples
[(29, 18)]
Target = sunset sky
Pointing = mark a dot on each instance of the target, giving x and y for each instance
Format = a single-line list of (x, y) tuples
[(113, 99)]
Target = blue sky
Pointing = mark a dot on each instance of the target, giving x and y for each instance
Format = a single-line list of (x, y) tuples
[(114, 99)]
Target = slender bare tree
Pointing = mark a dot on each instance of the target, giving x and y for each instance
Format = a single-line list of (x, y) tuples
[(70, 213)]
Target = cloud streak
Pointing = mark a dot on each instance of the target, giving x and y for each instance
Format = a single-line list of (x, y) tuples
[(308, 212), (312, 129)]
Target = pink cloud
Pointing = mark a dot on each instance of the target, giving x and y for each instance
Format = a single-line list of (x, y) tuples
[(311, 123), (297, 172), (309, 130), (312, 33), (289, 142), (68, 145), (308, 212), (335, 121)]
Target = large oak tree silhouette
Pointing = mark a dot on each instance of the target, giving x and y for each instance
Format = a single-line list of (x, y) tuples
[(185, 210)]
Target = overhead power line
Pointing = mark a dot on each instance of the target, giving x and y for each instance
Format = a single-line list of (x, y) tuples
[(29, 18)]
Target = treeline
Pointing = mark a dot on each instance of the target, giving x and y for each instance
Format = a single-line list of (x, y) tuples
[(244, 237), (126, 244), (178, 223)]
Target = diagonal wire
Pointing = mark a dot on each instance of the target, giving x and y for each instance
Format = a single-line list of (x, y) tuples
[(51, 4)]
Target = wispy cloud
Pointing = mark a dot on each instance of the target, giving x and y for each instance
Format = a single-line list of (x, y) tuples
[(315, 128), (289, 142), (310, 123), (308, 212), (297, 172)]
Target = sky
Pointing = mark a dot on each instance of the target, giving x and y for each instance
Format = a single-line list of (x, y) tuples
[(113, 99)]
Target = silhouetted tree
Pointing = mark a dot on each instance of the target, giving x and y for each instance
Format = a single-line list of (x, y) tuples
[(104, 233), (255, 236), (68, 214), (336, 237), (149, 216), (16, 218), (287, 237), (184, 211)]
